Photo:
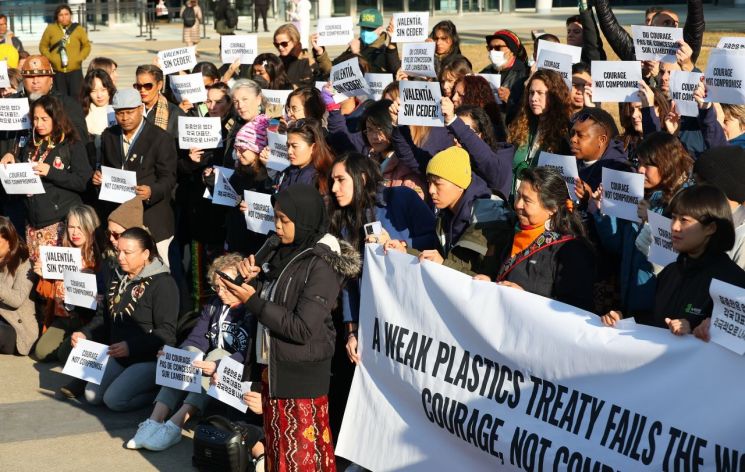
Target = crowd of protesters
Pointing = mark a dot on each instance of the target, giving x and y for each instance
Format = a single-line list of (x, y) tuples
[(173, 269)]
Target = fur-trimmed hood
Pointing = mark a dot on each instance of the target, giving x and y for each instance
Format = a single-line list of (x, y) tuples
[(339, 255)]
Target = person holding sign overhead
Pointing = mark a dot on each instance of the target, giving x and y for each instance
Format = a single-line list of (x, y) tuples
[(62, 319), (373, 44), (549, 255), (292, 290), (666, 167), (134, 144), (18, 326), (60, 159), (702, 232), (140, 318), (224, 329)]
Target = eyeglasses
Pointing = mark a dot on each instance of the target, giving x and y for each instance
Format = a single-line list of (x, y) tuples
[(148, 86), (114, 234), (282, 44)]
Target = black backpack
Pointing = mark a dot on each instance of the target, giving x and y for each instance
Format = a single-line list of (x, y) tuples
[(221, 445), (189, 17), (231, 17)]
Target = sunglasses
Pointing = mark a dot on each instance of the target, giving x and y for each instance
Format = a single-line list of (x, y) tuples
[(496, 48), (114, 234), (148, 86), (282, 44)]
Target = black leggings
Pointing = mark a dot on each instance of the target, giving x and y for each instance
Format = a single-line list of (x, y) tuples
[(69, 83), (7, 338)]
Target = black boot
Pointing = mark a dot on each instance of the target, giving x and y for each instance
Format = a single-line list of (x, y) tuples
[(72, 390)]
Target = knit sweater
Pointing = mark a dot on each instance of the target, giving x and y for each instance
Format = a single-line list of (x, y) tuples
[(78, 47)]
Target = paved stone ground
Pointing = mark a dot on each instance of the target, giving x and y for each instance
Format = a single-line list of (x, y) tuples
[(40, 433)]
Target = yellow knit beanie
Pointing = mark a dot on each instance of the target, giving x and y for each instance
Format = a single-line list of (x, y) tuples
[(452, 164)]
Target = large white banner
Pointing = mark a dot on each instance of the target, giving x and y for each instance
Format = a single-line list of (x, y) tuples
[(458, 374)]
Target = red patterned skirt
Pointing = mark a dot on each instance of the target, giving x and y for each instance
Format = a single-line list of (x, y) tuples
[(47, 236), (298, 436)]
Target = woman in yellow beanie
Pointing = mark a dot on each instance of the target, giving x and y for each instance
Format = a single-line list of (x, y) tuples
[(471, 227)]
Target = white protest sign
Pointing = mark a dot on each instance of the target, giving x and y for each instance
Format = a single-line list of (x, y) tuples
[(278, 158), (4, 79), (442, 387), (731, 42), (556, 61), (177, 59), (419, 60), (189, 87), (347, 79), (656, 43), (622, 192), (410, 27), (243, 47), (682, 86), (260, 213), (80, 289), (335, 31), (276, 97), (228, 388), (224, 193), (19, 179), (117, 185), (87, 361), (199, 132), (728, 316), (14, 114), (377, 83), (616, 81), (661, 250), (175, 370), (574, 52), (724, 74), (565, 165), (495, 82), (420, 104), (55, 261)]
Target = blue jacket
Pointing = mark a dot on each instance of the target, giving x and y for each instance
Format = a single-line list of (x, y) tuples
[(614, 157), (492, 165), (295, 175), (637, 279), (713, 133), (405, 217)]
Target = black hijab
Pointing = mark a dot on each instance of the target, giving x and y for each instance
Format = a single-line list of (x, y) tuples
[(304, 206)]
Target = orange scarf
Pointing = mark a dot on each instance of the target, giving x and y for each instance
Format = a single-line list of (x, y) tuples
[(525, 237)]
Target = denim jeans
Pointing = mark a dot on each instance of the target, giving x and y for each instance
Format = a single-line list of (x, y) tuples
[(171, 397), (124, 388)]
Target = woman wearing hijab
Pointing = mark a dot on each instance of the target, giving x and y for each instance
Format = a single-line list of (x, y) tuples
[(291, 286)]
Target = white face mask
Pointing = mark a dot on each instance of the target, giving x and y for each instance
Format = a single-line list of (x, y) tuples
[(497, 58)]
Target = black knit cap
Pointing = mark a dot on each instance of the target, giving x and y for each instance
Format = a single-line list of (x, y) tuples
[(723, 167), (599, 116)]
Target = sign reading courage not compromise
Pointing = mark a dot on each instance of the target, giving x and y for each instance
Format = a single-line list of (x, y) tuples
[(453, 389)]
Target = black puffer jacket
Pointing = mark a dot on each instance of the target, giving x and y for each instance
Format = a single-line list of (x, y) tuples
[(623, 44), (296, 308), (69, 173)]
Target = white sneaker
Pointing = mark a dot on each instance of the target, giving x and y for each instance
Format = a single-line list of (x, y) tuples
[(144, 431), (164, 437)]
